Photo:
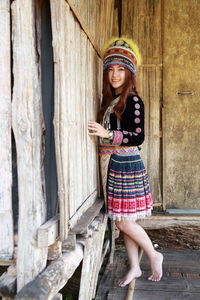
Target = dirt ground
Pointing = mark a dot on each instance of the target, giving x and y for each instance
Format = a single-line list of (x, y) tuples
[(176, 238), (173, 238)]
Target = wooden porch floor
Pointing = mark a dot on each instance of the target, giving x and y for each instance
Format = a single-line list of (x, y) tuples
[(181, 279)]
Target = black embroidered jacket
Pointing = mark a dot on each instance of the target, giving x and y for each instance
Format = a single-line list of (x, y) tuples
[(131, 132)]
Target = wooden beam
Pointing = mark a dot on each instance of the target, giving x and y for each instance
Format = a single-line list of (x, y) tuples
[(83, 208), (86, 219), (70, 243), (48, 233), (6, 219), (95, 224), (105, 250), (112, 246), (157, 204), (28, 127), (8, 282), (54, 277), (58, 296), (156, 222), (92, 262), (57, 10), (7, 262), (55, 251), (84, 26), (98, 255)]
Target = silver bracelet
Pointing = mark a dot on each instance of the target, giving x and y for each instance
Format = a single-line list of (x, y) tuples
[(110, 135)]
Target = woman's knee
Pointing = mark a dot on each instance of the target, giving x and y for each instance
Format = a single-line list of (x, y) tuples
[(120, 225), (125, 225)]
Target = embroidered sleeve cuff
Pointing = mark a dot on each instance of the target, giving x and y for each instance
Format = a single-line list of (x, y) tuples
[(118, 137)]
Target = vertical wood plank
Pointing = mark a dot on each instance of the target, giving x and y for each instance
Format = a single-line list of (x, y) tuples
[(62, 87), (28, 126), (100, 240), (79, 119), (86, 271), (6, 219), (71, 106), (92, 262), (83, 104)]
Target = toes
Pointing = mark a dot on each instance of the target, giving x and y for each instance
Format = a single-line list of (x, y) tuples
[(154, 278), (159, 278), (150, 277), (119, 282), (122, 283)]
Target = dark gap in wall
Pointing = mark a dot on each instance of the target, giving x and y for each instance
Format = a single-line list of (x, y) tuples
[(118, 6), (15, 198), (71, 289), (120, 17), (48, 110)]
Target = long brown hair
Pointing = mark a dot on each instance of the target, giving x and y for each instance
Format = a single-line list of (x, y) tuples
[(109, 94)]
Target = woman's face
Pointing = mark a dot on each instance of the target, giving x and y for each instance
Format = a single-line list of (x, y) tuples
[(116, 77)]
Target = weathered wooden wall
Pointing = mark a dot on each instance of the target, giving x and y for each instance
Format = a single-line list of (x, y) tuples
[(78, 79), (28, 127), (167, 35), (181, 122), (97, 16), (6, 221), (141, 21)]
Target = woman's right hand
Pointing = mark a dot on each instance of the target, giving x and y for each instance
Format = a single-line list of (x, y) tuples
[(97, 129)]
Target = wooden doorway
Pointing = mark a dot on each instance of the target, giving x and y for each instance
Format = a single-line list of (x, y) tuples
[(181, 112)]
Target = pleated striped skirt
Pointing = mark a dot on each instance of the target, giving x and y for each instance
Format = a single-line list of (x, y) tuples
[(128, 190)]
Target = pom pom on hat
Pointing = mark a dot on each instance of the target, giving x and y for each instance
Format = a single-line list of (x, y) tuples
[(121, 51)]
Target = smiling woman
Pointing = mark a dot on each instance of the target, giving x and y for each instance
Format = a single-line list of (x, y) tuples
[(116, 77), (121, 130)]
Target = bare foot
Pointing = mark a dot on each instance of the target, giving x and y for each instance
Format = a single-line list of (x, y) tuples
[(134, 272), (156, 267)]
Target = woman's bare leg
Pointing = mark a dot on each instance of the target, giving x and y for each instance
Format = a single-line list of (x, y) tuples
[(137, 234), (134, 271)]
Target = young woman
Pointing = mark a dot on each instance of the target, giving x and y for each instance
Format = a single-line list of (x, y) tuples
[(121, 130)]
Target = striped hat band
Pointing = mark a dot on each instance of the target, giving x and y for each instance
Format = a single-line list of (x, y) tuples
[(121, 52)]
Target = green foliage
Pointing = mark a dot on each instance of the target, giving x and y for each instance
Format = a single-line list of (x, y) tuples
[(69, 297)]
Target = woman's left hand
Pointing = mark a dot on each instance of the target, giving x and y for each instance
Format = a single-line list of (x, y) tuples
[(97, 129)]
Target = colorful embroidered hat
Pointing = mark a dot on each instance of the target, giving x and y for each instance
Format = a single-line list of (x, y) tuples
[(121, 51)]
